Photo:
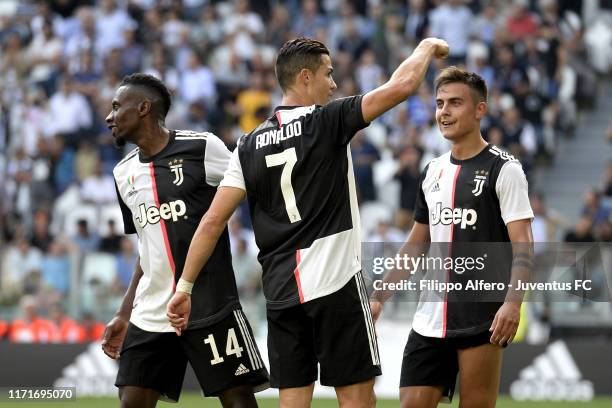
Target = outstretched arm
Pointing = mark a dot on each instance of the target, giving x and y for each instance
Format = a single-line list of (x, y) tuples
[(404, 81), (202, 246)]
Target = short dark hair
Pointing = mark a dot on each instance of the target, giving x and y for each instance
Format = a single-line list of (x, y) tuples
[(151, 84), (296, 55), (471, 79)]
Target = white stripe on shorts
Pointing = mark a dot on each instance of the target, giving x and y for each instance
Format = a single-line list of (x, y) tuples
[(367, 315), (248, 340)]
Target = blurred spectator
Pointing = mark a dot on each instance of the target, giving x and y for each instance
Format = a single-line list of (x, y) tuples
[(251, 100), (98, 188), (486, 24), (70, 113), (4, 329), (351, 40), (244, 28), (20, 259), (365, 155), (422, 106), (85, 239), (408, 175), (417, 21), (44, 55), (545, 223), (246, 269), (608, 181), (582, 232), (126, 261), (133, 52), (521, 23), (63, 158), (111, 242), (111, 23), (93, 329), (86, 160), (593, 208), (368, 74), (197, 82), (65, 329), (386, 233), (30, 327), (41, 234), (55, 268), (452, 21), (309, 20)]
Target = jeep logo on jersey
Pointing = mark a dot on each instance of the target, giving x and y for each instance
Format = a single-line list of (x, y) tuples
[(166, 211), (447, 216), (176, 167)]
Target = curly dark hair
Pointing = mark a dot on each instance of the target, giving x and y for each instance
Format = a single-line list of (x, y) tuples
[(296, 55), (155, 88)]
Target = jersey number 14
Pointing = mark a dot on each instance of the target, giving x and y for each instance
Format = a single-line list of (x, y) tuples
[(287, 158), (231, 347)]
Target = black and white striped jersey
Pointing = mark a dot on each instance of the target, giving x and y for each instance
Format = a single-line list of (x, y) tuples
[(297, 172), (162, 199), (468, 201)]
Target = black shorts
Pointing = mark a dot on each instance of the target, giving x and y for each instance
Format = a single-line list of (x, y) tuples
[(223, 356), (335, 331), (433, 361)]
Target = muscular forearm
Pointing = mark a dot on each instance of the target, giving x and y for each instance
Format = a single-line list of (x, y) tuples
[(125, 310), (202, 246), (403, 82)]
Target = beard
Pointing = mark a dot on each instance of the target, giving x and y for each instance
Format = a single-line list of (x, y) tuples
[(120, 141)]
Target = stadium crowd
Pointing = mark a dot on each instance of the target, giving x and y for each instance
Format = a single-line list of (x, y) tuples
[(61, 61)]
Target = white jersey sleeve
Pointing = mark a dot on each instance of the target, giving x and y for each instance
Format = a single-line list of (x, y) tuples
[(511, 189), (233, 175), (216, 159)]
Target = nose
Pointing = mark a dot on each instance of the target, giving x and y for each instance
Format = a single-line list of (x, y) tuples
[(333, 85), (443, 109), (109, 118)]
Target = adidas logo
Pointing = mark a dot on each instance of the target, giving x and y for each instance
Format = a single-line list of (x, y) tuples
[(241, 370), (435, 188), (553, 375), (92, 373)]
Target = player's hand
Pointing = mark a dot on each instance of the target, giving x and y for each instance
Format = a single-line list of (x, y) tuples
[(441, 47), (113, 336), (505, 323), (376, 307), (178, 310)]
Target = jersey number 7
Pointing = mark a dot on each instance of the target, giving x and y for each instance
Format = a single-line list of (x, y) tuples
[(287, 158)]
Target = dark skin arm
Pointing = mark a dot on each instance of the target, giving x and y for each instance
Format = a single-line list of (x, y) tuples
[(117, 327)]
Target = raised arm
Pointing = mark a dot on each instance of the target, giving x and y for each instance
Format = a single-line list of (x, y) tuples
[(404, 81)]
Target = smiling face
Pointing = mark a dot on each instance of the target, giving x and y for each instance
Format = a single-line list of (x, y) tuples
[(124, 118), (458, 112), (320, 84)]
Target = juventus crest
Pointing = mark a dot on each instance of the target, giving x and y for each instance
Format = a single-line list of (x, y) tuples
[(479, 178), (176, 167)]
